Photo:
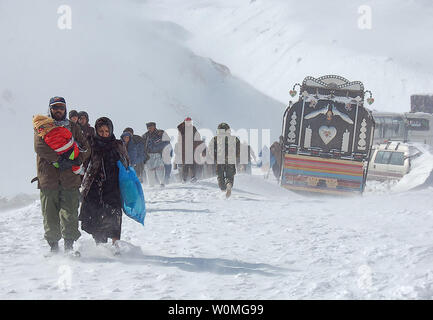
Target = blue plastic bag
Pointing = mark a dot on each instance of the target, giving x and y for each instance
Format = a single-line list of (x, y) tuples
[(131, 192)]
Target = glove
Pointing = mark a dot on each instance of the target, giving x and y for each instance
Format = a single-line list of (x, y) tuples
[(64, 164)]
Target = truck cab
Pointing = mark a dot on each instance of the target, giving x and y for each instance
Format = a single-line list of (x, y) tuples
[(327, 137)]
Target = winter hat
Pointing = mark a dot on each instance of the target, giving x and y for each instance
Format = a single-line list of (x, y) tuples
[(129, 130), (73, 113), (57, 100), (150, 124), (104, 121), (223, 129), (83, 114), (43, 124), (126, 134), (224, 126)]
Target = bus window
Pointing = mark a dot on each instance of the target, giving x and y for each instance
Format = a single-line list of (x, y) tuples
[(418, 124), (398, 126), (379, 128)]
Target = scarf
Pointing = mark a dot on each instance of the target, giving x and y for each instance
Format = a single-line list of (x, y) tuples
[(62, 123), (101, 144)]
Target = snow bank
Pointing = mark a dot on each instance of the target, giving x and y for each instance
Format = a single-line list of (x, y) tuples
[(18, 201), (422, 168)]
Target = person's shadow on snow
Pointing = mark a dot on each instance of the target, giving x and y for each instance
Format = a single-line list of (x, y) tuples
[(131, 254)]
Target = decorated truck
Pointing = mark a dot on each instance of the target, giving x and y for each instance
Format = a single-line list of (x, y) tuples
[(327, 137)]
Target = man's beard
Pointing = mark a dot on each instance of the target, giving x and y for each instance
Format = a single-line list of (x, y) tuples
[(57, 115)]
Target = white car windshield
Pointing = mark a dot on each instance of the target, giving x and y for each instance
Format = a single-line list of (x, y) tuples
[(389, 157)]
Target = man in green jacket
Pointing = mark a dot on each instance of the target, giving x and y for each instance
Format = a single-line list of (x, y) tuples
[(225, 150), (59, 186)]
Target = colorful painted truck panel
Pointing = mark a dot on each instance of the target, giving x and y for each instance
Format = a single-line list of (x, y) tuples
[(327, 137)]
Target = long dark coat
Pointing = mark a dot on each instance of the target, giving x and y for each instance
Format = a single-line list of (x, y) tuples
[(101, 209), (180, 152)]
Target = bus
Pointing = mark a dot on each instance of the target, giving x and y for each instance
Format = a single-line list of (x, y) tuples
[(408, 126)]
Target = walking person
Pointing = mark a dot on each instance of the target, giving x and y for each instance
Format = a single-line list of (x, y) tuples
[(88, 131), (249, 154), (155, 141), (138, 143), (101, 210), (276, 154), (188, 141), (225, 150), (166, 157), (135, 152), (83, 120), (73, 116), (59, 186)]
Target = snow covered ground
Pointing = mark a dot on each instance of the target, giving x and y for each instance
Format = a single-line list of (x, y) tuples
[(222, 60), (262, 243)]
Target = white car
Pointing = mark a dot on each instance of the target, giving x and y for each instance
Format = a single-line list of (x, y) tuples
[(391, 160)]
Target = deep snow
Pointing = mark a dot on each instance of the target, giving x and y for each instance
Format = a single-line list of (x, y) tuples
[(263, 243), (216, 61)]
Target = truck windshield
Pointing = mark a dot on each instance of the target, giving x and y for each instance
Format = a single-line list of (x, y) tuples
[(390, 157), (397, 158)]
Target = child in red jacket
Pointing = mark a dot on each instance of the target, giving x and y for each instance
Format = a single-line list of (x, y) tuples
[(59, 139)]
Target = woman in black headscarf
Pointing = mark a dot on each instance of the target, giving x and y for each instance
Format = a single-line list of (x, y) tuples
[(101, 209)]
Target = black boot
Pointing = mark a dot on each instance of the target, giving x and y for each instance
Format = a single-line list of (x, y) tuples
[(69, 245), (69, 249), (99, 239), (54, 246)]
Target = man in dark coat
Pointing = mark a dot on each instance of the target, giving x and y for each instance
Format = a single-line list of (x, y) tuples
[(155, 142), (59, 187), (225, 150), (135, 147), (276, 152), (141, 153), (73, 116), (88, 131), (246, 167), (188, 141), (83, 120)]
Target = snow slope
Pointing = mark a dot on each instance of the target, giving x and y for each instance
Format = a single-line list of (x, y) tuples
[(273, 44), (263, 243), (113, 62)]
